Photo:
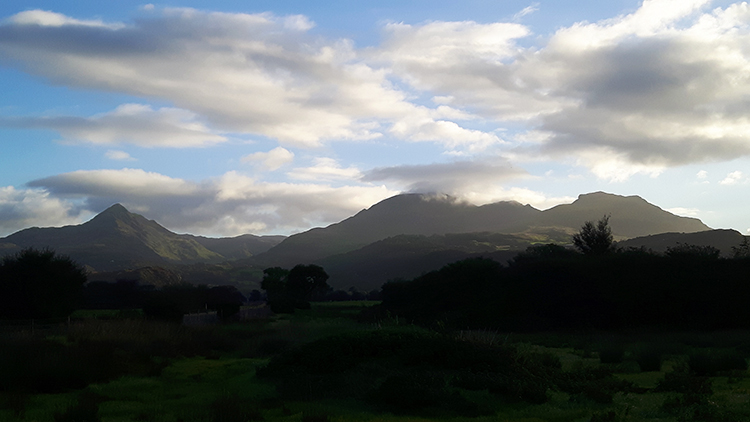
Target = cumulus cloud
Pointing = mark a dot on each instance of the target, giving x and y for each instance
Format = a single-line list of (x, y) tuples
[(660, 87), (271, 160), (685, 212), (245, 73), (135, 124), (228, 205), (732, 178), (325, 169), (117, 155), (459, 178), (23, 208)]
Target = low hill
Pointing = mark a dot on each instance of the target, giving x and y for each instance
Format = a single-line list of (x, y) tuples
[(409, 256), (724, 240)]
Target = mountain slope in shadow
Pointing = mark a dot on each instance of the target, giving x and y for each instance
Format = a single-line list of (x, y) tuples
[(117, 239), (416, 214)]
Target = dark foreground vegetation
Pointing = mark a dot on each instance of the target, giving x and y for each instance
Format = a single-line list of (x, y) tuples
[(557, 335), (320, 364), (549, 288)]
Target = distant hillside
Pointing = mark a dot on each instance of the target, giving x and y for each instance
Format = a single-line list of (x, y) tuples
[(723, 240), (409, 256), (117, 239), (409, 214), (630, 216), (415, 214)]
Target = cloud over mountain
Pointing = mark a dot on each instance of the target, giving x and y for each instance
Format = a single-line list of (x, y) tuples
[(228, 205)]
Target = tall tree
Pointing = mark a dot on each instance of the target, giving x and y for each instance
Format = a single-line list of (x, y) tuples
[(595, 239), (290, 289), (39, 284)]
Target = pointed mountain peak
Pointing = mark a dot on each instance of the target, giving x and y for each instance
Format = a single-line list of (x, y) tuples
[(118, 217), (116, 209)]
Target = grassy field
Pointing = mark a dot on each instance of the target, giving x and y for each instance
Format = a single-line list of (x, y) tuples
[(114, 370)]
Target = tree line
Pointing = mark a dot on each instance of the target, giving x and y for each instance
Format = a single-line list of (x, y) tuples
[(597, 286), (41, 284)]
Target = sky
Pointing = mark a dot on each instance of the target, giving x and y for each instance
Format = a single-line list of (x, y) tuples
[(229, 117)]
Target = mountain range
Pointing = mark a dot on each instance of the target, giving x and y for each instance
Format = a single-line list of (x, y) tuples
[(416, 214), (400, 237)]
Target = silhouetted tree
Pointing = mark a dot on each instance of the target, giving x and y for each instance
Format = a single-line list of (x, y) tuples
[(290, 289), (255, 296), (684, 250), (163, 306), (742, 250), (226, 300), (595, 239), (39, 284)]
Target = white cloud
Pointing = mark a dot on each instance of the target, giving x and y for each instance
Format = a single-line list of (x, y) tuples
[(229, 205), (732, 178), (685, 212), (459, 178), (24, 208), (703, 174), (118, 155), (526, 11), (325, 169), (242, 73), (116, 183), (135, 124), (639, 93), (660, 87), (47, 18), (271, 160)]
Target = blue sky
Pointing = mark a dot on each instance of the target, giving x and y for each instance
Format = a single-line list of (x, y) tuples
[(271, 117)]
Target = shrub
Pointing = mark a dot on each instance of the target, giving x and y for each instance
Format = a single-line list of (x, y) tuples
[(412, 392), (85, 410), (650, 358), (612, 352), (232, 408), (712, 361), (161, 306), (685, 383), (39, 284)]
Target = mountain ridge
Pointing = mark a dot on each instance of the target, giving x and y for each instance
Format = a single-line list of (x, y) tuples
[(117, 239), (631, 216)]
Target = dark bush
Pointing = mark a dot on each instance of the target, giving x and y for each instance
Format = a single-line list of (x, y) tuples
[(162, 306), (85, 410), (368, 364), (414, 392), (713, 361), (44, 366), (649, 359), (232, 408), (612, 352), (685, 383), (39, 284)]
